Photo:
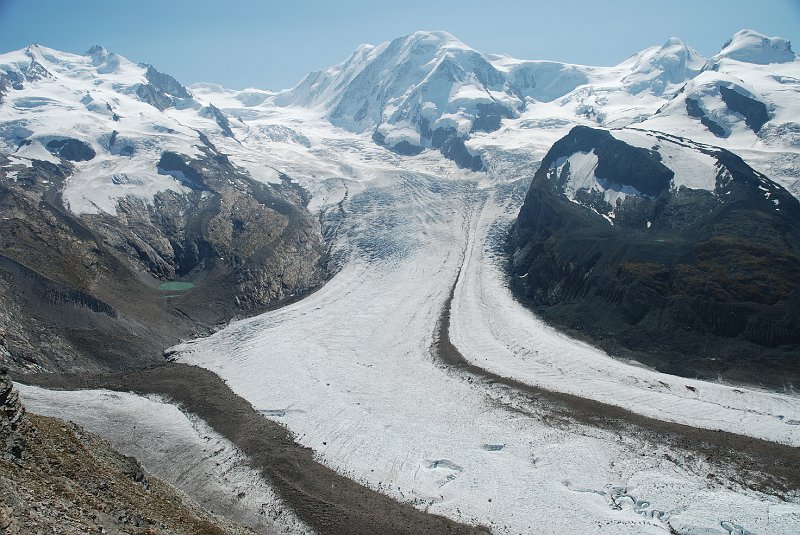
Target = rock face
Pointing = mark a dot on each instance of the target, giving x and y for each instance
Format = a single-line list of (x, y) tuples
[(662, 250), (57, 478), (148, 93), (11, 414), (70, 149), (166, 83), (162, 89), (88, 286), (212, 112), (754, 111)]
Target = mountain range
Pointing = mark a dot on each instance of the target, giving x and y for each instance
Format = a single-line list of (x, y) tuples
[(132, 180), (426, 255)]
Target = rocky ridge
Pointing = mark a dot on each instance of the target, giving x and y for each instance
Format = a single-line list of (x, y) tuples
[(672, 253)]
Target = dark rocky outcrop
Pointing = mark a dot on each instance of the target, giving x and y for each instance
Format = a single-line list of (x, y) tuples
[(629, 166), (710, 288), (5, 83), (151, 95), (404, 147), (452, 147), (166, 83), (256, 241), (11, 414), (71, 149), (754, 112), (694, 109), (161, 89), (447, 140), (212, 112), (489, 117)]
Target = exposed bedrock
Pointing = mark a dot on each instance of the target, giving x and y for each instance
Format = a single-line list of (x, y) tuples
[(83, 292), (693, 282)]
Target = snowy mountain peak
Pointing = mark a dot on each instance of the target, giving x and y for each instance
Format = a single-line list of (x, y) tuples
[(673, 41), (106, 62), (96, 50), (38, 53), (657, 68), (414, 92), (749, 46), (438, 39), (675, 46), (110, 117)]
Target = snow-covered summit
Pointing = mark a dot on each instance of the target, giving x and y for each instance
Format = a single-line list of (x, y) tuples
[(423, 90), (657, 68), (425, 76), (752, 47)]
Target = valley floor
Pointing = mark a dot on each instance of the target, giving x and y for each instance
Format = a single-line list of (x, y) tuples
[(354, 372)]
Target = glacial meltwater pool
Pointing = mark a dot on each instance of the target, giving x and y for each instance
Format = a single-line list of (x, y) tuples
[(176, 286)]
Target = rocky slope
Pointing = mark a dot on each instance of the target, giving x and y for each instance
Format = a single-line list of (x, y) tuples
[(662, 247), (670, 252), (57, 478), (106, 195)]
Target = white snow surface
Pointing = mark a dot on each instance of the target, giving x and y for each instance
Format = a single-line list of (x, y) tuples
[(431, 76), (583, 176), (396, 87), (179, 449), (426, 74), (764, 69), (78, 97), (752, 47), (693, 168)]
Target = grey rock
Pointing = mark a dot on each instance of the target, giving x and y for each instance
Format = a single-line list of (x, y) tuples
[(151, 95), (166, 83)]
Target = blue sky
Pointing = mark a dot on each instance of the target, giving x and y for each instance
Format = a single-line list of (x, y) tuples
[(273, 44)]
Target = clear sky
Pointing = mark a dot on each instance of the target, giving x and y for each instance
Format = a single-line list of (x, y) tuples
[(274, 44)]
